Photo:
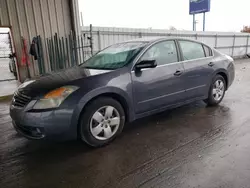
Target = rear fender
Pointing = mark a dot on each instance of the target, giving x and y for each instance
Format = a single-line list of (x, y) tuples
[(221, 71)]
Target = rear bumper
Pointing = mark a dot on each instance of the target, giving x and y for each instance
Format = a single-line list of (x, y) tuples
[(52, 125), (231, 74)]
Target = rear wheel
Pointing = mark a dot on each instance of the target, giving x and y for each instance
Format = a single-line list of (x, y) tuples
[(101, 122), (216, 91)]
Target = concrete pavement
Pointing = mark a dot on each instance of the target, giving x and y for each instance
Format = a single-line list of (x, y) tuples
[(7, 88), (8, 84), (5, 73)]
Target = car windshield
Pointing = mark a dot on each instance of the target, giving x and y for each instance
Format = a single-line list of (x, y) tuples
[(115, 56)]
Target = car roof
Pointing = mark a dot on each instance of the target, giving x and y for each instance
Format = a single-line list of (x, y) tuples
[(155, 39)]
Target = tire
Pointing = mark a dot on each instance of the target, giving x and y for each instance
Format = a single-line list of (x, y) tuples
[(98, 114), (216, 95)]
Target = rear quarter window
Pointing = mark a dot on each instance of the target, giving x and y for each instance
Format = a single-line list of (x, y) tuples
[(208, 51)]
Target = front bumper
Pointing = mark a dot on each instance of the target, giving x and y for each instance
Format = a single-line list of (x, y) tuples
[(30, 132), (50, 124)]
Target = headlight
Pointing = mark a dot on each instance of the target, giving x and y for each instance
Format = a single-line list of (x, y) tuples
[(54, 98)]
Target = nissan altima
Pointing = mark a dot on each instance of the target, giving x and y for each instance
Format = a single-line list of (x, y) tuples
[(120, 84)]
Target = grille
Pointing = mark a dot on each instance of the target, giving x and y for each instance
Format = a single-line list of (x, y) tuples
[(20, 100)]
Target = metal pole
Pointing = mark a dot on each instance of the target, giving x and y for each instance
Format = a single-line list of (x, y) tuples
[(41, 54), (82, 43), (204, 20), (63, 53), (67, 51), (50, 53), (233, 45), (81, 21), (75, 48), (71, 50), (194, 22), (79, 49), (91, 39), (99, 40), (247, 44), (140, 35), (216, 39), (56, 52)]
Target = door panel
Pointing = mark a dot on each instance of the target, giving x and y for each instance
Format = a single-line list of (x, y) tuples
[(161, 86), (198, 76), (197, 67)]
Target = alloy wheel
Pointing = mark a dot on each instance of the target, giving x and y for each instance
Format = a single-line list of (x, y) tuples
[(105, 122), (218, 90)]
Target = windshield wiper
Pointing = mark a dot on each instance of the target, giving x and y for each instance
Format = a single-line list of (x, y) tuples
[(100, 68)]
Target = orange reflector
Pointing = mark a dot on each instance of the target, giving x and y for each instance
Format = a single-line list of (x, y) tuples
[(55, 93)]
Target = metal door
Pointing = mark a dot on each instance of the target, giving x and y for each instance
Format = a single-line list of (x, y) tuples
[(197, 67), (160, 86)]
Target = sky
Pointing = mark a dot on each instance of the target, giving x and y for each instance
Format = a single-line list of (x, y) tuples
[(225, 15)]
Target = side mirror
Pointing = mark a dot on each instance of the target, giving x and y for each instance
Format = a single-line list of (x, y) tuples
[(146, 64)]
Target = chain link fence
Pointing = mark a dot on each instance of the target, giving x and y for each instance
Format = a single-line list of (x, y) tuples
[(7, 65), (5, 45)]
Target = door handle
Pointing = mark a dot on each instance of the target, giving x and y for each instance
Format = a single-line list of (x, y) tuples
[(178, 73), (210, 64)]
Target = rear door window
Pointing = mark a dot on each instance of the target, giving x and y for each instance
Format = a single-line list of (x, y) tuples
[(191, 50)]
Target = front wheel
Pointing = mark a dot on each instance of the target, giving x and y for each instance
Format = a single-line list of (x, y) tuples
[(101, 122), (217, 91)]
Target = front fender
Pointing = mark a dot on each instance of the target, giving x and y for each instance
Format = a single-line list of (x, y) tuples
[(98, 92)]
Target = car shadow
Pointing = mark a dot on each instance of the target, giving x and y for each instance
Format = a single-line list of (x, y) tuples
[(54, 151)]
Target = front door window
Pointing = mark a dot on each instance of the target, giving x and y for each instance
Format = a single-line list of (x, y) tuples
[(163, 52)]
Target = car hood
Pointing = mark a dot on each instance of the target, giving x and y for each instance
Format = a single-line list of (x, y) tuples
[(52, 81)]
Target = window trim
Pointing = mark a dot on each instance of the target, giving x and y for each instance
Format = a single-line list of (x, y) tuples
[(137, 59)]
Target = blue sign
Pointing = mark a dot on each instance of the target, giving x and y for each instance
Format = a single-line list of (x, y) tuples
[(199, 6)]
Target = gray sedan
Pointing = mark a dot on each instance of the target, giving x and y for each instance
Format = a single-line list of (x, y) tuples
[(120, 84)]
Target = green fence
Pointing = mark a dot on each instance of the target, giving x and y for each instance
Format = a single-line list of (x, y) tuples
[(62, 52)]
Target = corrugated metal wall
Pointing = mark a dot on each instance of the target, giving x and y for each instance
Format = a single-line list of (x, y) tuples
[(29, 18), (233, 44)]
